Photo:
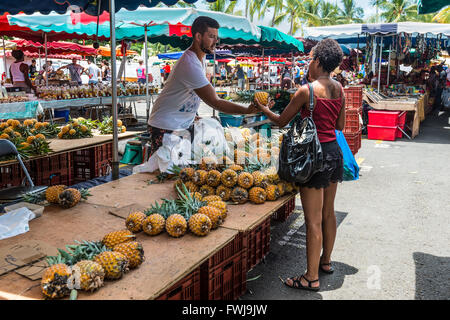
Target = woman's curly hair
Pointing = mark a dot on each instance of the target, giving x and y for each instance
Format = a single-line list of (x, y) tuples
[(329, 53)]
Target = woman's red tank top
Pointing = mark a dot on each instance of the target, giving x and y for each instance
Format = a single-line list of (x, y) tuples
[(325, 114)]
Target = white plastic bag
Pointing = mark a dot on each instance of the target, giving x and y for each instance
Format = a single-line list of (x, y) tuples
[(209, 139), (15, 222)]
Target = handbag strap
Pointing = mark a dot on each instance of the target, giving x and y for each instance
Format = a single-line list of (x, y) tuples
[(311, 99)]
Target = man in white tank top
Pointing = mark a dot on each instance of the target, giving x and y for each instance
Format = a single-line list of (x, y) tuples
[(19, 72)]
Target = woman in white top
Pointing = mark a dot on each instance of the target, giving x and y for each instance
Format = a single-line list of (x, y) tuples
[(19, 72)]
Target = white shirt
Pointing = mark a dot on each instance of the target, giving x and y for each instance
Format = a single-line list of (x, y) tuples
[(93, 72), (178, 103), (448, 73)]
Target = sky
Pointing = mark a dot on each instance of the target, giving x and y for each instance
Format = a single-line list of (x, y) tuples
[(365, 4)]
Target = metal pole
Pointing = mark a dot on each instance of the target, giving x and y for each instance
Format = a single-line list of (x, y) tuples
[(262, 69), (112, 21), (214, 73), (389, 65), (379, 66), (46, 73), (147, 101), (4, 58), (269, 72)]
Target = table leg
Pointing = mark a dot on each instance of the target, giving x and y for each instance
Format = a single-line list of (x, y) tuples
[(416, 124)]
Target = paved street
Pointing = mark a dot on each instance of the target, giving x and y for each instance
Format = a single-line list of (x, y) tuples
[(393, 226)]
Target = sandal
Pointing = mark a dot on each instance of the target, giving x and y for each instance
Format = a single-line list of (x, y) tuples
[(296, 284), (329, 271)]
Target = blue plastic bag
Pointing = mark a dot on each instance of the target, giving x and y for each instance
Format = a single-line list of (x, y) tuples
[(351, 168)]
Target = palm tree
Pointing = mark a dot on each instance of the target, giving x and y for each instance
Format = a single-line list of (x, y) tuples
[(397, 10), (275, 5), (256, 7), (351, 13), (297, 12), (329, 14), (225, 6), (443, 16)]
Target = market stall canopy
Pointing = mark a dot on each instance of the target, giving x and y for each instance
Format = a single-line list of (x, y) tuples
[(274, 38), (353, 30), (89, 6), (429, 6), (55, 47), (106, 52), (220, 54), (50, 56)]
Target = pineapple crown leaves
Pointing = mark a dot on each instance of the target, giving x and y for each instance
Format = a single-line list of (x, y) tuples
[(34, 197), (85, 250), (84, 193), (188, 203)]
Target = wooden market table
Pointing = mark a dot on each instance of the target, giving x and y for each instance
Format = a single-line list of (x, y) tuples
[(167, 260), (408, 103)]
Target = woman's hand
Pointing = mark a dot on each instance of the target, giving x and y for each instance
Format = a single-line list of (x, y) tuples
[(252, 108), (264, 108)]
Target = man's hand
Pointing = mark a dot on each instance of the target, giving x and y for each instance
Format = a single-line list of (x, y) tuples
[(263, 108), (252, 108)]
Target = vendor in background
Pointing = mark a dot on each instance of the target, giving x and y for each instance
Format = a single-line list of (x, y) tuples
[(106, 71), (75, 71), (47, 70), (93, 71), (297, 74), (33, 68), (140, 71), (19, 72), (176, 107)]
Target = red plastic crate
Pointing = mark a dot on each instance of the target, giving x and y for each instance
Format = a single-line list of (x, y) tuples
[(384, 118), (353, 97), (92, 162), (226, 281), (283, 213), (353, 141), (52, 170), (381, 133), (258, 243), (352, 123), (238, 245), (185, 289), (12, 175), (401, 124)]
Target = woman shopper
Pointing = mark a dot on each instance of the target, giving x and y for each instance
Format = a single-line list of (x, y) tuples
[(19, 72), (319, 192)]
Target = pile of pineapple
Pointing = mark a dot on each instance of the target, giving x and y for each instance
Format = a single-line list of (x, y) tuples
[(106, 126), (85, 265), (58, 194), (29, 137), (75, 130), (190, 212)]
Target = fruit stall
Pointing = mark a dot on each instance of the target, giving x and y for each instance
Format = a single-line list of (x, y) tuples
[(213, 266)]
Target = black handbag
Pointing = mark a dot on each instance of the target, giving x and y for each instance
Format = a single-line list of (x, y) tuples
[(301, 153)]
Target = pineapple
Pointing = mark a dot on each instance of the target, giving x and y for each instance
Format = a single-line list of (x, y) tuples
[(260, 179), (257, 195), (282, 188), (208, 163), (52, 193), (212, 198), (213, 178), (187, 174), (239, 195), (229, 178), (191, 186), (237, 168), (133, 251), (245, 180), (154, 224), (290, 187), (272, 175), (70, 197), (223, 192), (176, 225), (200, 224), (273, 193), (88, 275), (55, 279), (199, 177), (206, 190), (134, 221), (214, 214), (241, 156), (112, 239), (221, 205), (114, 263), (262, 97)]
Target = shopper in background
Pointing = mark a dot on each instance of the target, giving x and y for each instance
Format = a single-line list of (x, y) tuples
[(75, 70), (166, 71), (250, 73), (33, 68), (141, 72), (93, 71), (318, 194), (297, 75), (285, 79), (240, 76), (223, 73), (19, 72), (106, 71)]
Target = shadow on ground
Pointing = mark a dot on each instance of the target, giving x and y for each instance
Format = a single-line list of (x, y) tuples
[(434, 129), (432, 277), (287, 258)]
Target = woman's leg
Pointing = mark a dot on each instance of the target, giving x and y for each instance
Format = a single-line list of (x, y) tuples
[(328, 224), (312, 200)]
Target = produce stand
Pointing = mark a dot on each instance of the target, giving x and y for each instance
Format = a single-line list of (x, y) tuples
[(216, 264)]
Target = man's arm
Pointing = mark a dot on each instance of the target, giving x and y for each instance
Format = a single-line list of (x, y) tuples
[(209, 96)]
